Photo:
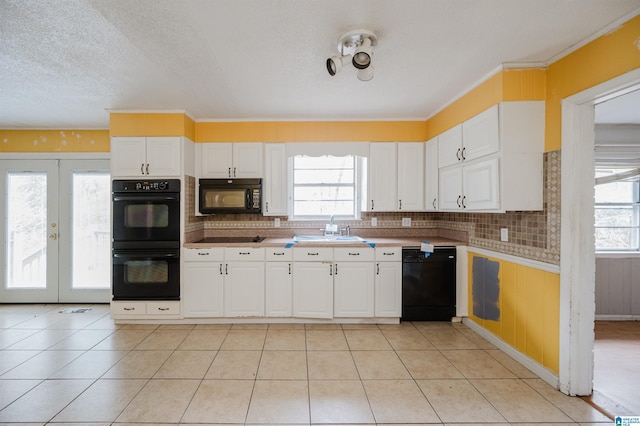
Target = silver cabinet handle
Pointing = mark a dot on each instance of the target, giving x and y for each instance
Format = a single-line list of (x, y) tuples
[(458, 201), (289, 269), (129, 309), (147, 168), (388, 254), (234, 172), (244, 253), (229, 173), (142, 169), (266, 206), (221, 269), (354, 254), (226, 269), (371, 204), (377, 269), (330, 269), (434, 203), (463, 156), (464, 205), (458, 152), (163, 309), (313, 254), (335, 271), (203, 254), (278, 254)]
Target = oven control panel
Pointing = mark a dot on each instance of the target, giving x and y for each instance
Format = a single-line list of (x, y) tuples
[(156, 185)]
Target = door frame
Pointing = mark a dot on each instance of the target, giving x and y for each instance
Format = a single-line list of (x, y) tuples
[(55, 156), (577, 246)]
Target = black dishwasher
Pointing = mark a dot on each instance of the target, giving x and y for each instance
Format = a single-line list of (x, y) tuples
[(428, 284)]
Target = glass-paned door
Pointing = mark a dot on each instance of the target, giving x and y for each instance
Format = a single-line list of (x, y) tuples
[(85, 237), (55, 238)]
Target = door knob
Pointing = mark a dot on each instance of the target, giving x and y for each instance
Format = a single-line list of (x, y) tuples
[(53, 236)]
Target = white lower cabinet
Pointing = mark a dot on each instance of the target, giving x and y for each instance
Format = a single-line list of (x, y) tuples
[(244, 282), (145, 309), (278, 282), (353, 282), (203, 289), (313, 282), (388, 282)]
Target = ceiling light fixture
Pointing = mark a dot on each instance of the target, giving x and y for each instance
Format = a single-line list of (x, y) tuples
[(355, 46)]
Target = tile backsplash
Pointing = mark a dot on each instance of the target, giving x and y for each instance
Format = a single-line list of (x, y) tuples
[(532, 234)]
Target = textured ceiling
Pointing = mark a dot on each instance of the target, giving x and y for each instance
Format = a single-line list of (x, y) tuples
[(65, 63)]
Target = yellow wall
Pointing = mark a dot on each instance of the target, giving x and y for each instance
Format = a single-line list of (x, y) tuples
[(529, 302), (608, 56), (311, 131), (151, 124), (508, 85), (54, 141)]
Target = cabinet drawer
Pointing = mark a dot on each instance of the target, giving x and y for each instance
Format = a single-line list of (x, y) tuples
[(312, 254), (244, 253), (359, 254), (275, 254), (389, 254), (163, 308), (203, 255), (128, 308)]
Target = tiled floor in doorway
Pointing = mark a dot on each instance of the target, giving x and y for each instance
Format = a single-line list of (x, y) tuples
[(65, 368)]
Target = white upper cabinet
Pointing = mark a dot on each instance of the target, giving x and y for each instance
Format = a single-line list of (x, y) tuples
[(410, 176), (231, 160), (475, 138), (481, 135), (275, 180), (498, 166), (383, 177), (450, 146), (431, 175), (145, 157)]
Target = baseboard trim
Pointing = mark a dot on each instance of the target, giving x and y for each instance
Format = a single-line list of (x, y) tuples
[(607, 317), (534, 366)]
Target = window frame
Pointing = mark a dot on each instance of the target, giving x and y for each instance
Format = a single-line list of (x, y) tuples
[(633, 205), (359, 186)]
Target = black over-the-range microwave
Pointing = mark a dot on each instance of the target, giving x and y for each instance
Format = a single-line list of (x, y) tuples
[(220, 196)]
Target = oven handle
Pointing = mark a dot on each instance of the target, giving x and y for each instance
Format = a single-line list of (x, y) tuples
[(135, 254), (146, 197)]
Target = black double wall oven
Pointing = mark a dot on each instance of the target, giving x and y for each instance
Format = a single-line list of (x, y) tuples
[(146, 239)]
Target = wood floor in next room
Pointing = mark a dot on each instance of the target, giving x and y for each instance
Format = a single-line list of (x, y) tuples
[(66, 368)]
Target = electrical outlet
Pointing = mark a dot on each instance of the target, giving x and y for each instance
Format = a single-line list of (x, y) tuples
[(374, 221), (276, 222), (406, 221), (504, 234)]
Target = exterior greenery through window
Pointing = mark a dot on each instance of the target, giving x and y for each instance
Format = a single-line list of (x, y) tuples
[(617, 213), (325, 186)]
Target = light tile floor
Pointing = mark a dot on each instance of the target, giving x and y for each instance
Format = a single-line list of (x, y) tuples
[(81, 368)]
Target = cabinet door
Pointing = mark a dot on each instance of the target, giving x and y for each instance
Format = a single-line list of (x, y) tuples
[(410, 176), (313, 290), (128, 157), (244, 289), (203, 289), (354, 289), (275, 180), (278, 289), (388, 283), (450, 188), (163, 156), (382, 177), (481, 134), (217, 159), (481, 185), (247, 160), (431, 175), (450, 146)]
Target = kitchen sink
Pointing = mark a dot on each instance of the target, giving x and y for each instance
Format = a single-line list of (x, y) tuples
[(327, 239)]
